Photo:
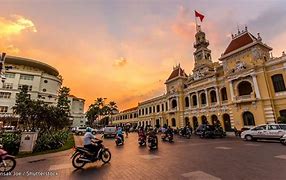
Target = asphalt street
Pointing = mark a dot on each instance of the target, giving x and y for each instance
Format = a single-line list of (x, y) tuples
[(195, 158)]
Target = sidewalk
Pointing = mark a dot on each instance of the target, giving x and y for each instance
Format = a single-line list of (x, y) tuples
[(78, 142)]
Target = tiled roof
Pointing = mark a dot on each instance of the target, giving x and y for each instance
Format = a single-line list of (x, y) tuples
[(239, 42), (130, 109), (178, 71)]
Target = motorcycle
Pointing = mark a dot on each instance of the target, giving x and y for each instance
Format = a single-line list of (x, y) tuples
[(152, 142), (185, 133), (7, 162), (167, 137), (118, 140), (283, 139), (142, 140), (82, 156)]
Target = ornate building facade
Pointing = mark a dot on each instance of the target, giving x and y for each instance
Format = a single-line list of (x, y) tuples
[(246, 87)]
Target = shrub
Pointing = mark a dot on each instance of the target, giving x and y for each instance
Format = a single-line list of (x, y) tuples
[(11, 142), (47, 141)]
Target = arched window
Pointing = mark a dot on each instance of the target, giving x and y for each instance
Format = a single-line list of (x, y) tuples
[(223, 94), (187, 121), (244, 88), (162, 107), (150, 110), (213, 96), (194, 98), (282, 112), (203, 98), (187, 103), (278, 82), (146, 110), (248, 119), (166, 106), (214, 119), (204, 120), (158, 108), (174, 103), (173, 122), (195, 122)]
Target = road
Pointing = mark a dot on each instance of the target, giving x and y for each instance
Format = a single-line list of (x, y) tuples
[(195, 158)]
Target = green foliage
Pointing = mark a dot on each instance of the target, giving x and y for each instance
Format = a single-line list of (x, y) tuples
[(22, 106), (11, 142), (63, 102), (37, 114), (100, 109), (47, 141), (281, 119)]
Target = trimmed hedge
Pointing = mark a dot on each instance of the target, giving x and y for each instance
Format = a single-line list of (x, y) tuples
[(47, 142)]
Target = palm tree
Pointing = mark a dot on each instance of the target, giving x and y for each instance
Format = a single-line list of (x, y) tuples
[(99, 110)]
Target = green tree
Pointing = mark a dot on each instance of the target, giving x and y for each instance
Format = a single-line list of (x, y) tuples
[(22, 106), (63, 101), (100, 110)]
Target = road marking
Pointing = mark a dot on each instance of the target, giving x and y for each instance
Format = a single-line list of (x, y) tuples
[(222, 147), (252, 145), (180, 141), (198, 175), (60, 166), (149, 157), (281, 157)]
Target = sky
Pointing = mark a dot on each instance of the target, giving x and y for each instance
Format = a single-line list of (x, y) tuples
[(124, 50)]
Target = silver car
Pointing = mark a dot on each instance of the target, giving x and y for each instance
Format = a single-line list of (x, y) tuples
[(265, 131)]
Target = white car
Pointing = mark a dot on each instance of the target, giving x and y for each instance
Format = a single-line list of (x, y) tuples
[(82, 130), (109, 131), (265, 131)]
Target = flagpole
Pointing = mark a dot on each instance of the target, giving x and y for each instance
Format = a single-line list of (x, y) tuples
[(196, 22)]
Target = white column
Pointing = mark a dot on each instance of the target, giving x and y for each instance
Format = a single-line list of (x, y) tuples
[(207, 99), (231, 90), (256, 88), (198, 102), (217, 96)]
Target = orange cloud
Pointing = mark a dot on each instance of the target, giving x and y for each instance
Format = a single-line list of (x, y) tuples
[(120, 62), (15, 25)]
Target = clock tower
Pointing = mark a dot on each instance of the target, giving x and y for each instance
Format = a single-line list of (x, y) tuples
[(202, 55)]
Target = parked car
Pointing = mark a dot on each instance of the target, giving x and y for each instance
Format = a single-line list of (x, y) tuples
[(109, 131), (265, 131), (238, 132), (82, 130), (100, 131)]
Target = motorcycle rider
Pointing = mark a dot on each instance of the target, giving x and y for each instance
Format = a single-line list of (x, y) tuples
[(152, 133), (91, 142), (119, 133), (186, 128), (141, 133), (169, 131)]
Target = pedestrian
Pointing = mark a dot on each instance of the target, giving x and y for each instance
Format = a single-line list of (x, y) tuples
[(127, 130)]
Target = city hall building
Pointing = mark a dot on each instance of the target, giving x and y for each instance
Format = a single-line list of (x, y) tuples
[(245, 88)]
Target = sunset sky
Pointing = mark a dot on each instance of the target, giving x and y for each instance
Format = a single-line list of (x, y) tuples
[(125, 50)]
